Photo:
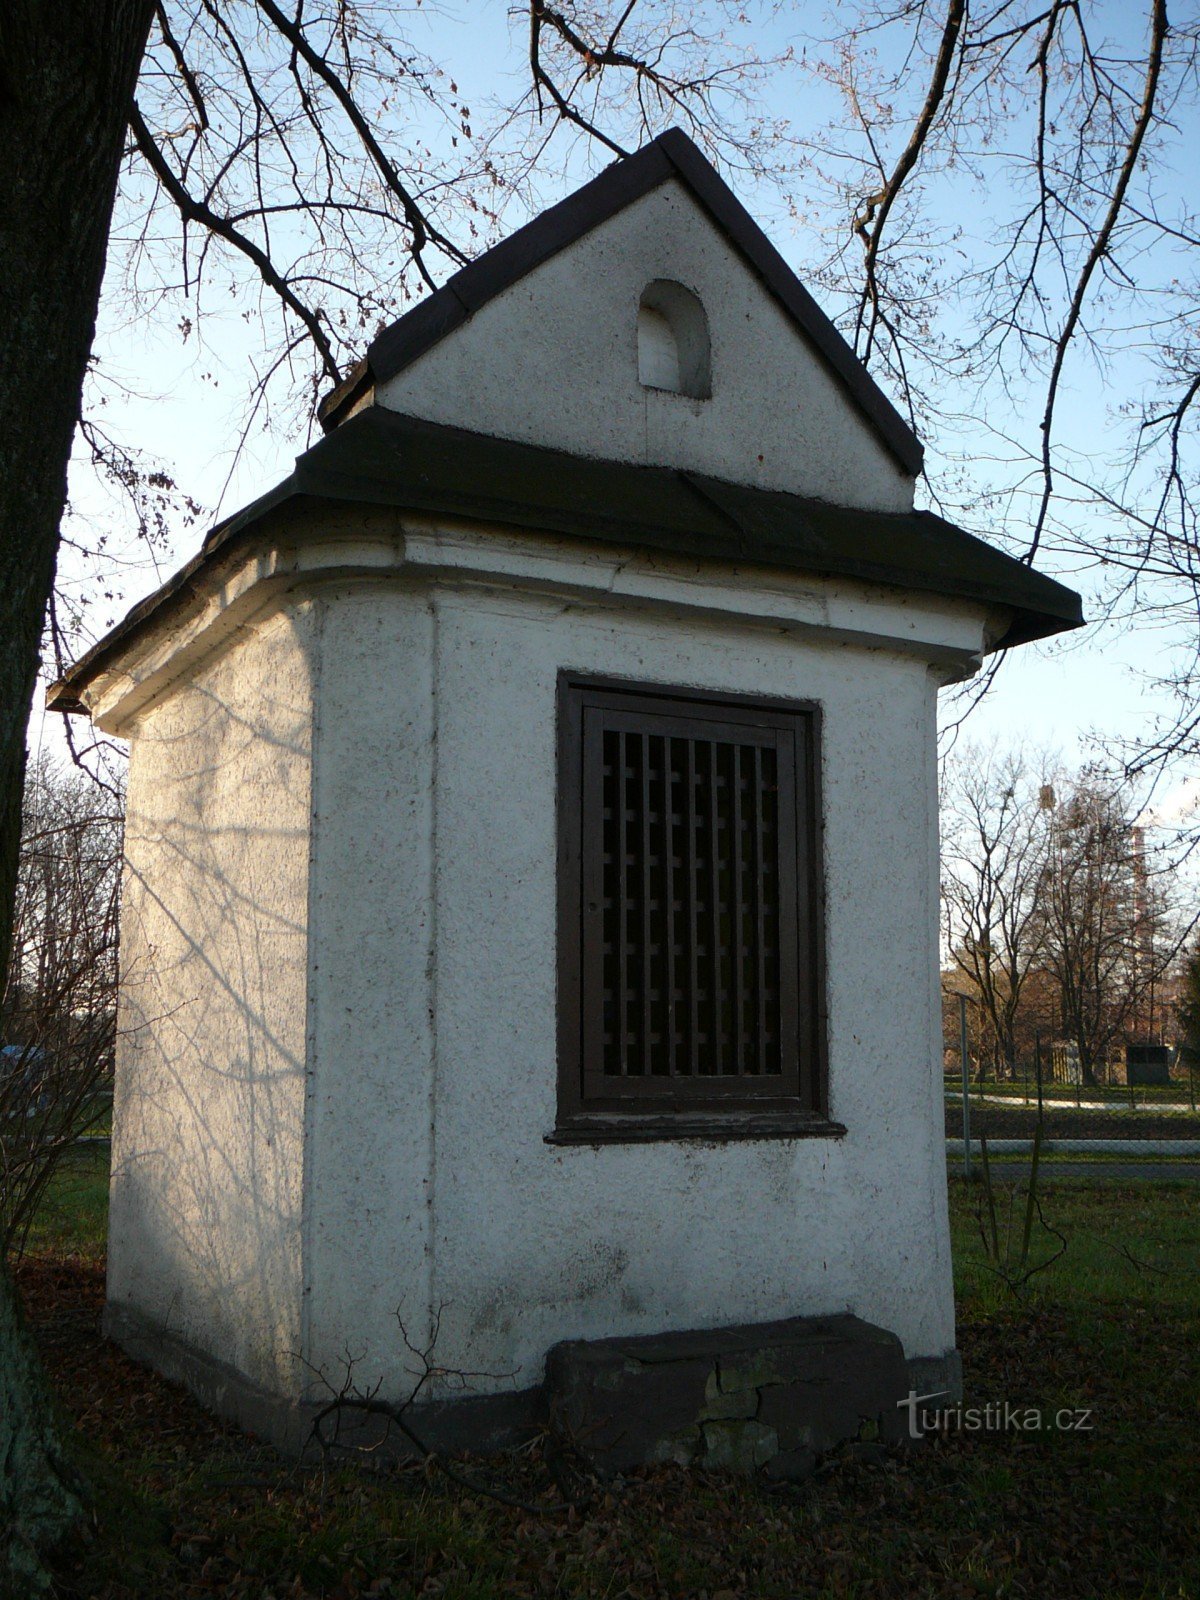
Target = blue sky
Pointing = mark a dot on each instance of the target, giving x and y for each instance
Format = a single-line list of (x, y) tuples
[(183, 409)]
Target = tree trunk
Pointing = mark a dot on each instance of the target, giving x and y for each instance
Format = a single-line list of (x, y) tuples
[(41, 1497), (67, 72)]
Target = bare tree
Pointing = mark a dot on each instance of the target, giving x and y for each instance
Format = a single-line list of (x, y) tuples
[(1057, 911), (57, 1022), (1014, 239), (66, 84), (1111, 930), (1187, 1011), (994, 825), (58, 1009)]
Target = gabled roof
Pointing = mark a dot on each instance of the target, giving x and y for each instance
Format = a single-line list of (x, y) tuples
[(382, 458), (671, 155)]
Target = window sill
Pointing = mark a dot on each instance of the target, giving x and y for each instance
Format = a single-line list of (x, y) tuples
[(709, 1128)]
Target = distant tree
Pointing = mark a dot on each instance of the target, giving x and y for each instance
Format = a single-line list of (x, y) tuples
[(994, 837), (1058, 915), (1187, 1008), (58, 1007), (1040, 1015), (57, 1024), (1111, 930)]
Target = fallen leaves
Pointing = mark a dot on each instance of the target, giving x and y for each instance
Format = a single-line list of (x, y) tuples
[(189, 1508)]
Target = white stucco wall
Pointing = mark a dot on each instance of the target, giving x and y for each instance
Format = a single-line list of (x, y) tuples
[(338, 1056), (553, 360), (434, 915), (205, 1229), (373, 1007)]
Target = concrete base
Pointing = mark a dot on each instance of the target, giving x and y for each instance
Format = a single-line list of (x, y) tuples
[(479, 1424), (766, 1396), (222, 1389)]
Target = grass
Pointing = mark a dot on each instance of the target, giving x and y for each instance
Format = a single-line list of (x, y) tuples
[(73, 1216), (1064, 1169), (188, 1507), (1123, 1245)]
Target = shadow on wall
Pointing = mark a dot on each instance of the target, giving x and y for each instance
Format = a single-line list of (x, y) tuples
[(208, 1139)]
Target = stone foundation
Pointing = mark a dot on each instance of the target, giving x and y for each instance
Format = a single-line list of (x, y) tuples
[(768, 1396)]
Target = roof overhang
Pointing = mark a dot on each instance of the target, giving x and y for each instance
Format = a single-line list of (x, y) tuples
[(380, 458)]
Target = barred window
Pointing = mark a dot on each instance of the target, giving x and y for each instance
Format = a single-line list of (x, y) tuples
[(689, 939)]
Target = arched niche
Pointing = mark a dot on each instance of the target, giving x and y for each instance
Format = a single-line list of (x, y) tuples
[(673, 344)]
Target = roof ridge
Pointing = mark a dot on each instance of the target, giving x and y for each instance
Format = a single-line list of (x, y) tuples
[(671, 155)]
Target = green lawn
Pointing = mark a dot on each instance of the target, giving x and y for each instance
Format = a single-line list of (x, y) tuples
[(188, 1508), (1134, 1243), (73, 1217)]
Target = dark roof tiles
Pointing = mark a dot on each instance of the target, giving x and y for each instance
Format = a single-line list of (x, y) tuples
[(382, 458)]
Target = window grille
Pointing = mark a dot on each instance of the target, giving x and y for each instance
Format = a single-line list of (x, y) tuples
[(689, 937)]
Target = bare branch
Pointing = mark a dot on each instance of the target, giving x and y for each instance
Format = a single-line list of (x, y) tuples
[(193, 210), (539, 15), (1100, 244), (423, 232), (872, 217)]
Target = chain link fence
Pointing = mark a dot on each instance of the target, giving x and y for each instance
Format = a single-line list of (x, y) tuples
[(1135, 1116)]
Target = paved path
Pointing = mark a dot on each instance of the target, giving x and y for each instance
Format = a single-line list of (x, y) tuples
[(1057, 1103)]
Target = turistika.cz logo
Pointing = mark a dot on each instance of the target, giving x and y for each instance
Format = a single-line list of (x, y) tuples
[(997, 1416)]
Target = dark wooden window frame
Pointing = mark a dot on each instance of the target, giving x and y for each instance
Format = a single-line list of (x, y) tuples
[(794, 1102)]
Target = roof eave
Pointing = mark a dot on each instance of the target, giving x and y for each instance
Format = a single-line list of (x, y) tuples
[(331, 473), (334, 407), (66, 693)]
